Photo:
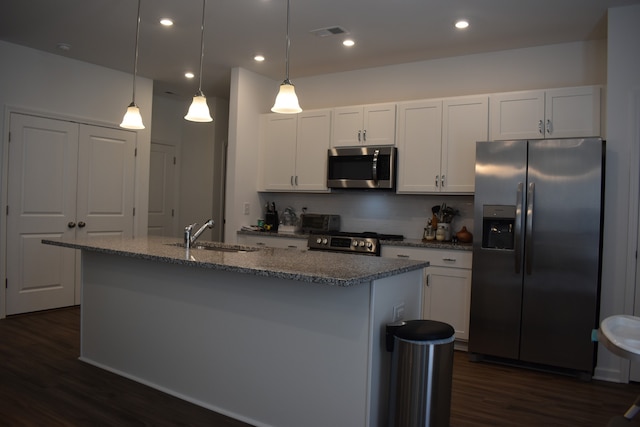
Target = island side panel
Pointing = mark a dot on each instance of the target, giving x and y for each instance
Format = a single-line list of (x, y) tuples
[(263, 350), (402, 290)]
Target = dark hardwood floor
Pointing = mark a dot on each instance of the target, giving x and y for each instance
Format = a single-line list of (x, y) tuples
[(42, 383)]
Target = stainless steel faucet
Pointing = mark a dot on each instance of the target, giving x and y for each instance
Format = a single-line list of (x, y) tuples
[(190, 237)]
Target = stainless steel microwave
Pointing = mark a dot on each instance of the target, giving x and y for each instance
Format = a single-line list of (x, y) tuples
[(362, 167)]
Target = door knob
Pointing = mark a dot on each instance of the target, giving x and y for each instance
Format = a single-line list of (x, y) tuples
[(81, 224), (71, 224)]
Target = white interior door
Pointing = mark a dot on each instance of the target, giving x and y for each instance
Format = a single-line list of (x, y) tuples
[(106, 164), (43, 159), (161, 190), (65, 180)]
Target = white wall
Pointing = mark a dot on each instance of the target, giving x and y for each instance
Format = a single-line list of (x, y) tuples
[(200, 149), (561, 65), (32, 81), (623, 119)]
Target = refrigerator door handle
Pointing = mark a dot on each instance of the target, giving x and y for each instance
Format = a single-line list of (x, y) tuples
[(528, 240), (518, 228)]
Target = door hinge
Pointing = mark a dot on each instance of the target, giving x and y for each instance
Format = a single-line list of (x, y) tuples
[(134, 211), (7, 209), (135, 152), (9, 136), (174, 160), (6, 283), (172, 213)]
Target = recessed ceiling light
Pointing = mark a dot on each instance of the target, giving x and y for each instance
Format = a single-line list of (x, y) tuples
[(348, 42), (166, 22), (462, 24), (258, 58), (189, 75)]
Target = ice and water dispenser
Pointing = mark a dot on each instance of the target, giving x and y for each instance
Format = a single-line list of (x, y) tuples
[(498, 226)]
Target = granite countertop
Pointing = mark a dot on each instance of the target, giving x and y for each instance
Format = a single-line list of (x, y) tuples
[(416, 243), (336, 269)]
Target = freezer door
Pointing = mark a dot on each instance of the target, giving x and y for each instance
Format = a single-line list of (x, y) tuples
[(496, 289), (562, 261)]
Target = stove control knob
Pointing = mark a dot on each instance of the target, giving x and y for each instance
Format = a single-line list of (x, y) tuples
[(369, 245), (319, 240), (325, 241)]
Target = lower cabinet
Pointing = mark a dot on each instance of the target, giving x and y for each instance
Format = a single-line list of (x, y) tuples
[(447, 284), (272, 241)]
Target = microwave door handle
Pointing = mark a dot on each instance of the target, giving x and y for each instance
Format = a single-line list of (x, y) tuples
[(518, 228), (374, 166)]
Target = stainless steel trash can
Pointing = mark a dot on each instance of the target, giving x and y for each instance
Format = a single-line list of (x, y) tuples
[(421, 374)]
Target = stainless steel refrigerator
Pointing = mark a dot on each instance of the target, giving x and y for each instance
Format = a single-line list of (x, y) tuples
[(538, 212)]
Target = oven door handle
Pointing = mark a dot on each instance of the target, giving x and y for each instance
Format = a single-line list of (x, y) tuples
[(374, 166)]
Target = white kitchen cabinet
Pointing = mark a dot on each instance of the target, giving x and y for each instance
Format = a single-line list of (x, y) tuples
[(293, 151), (272, 241), (554, 113), (436, 144), (447, 284), (364, 125)]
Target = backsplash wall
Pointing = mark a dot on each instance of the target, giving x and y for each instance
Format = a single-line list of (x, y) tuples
[(381, 212)]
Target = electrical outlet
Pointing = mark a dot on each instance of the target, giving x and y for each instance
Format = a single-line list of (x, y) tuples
[(398, 312), (247, 208)]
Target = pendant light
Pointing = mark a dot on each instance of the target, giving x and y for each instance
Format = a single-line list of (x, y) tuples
[(199, 110), (286, 101), (132, 118)]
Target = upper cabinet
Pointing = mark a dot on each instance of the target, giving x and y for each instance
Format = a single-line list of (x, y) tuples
[(293, 151), (364, 125), (554, 113), (436, 144)]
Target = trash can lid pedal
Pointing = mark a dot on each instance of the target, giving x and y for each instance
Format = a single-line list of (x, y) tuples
[(425, 330)]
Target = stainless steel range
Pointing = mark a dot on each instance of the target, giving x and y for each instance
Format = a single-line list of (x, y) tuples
[(366, 243)]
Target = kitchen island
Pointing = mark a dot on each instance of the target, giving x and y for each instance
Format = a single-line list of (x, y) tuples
[(272, 337)]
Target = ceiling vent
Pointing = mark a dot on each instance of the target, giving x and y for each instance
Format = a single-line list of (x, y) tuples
[(329, 31)]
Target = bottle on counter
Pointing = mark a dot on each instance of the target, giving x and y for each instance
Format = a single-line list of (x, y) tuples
[(429, 232)]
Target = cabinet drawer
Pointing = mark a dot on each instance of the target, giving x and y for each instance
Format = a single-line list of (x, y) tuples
[(436, 257)]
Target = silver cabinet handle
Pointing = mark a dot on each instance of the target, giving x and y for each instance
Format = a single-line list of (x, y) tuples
[(71, 224), (442, 181), (549, 128), (359, 135), (81, 224), (364, 135), (296, 180), (449, 259), (427, 280), (291, 180), (540, 127), (437, 176), (402, 256)]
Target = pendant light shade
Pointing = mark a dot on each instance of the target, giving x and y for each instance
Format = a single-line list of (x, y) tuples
[(132, 118), (286, 100), (199, 110)]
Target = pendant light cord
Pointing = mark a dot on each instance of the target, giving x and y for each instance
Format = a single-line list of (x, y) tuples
[(135, 57), (204, 2), (286, 54)]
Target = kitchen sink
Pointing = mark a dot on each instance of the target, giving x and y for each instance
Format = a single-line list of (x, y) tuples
[(213, 247)]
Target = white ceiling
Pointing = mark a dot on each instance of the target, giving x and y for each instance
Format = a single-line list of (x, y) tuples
[(385, 31)]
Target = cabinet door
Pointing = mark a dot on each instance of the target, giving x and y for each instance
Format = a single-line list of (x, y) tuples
[(278, 151), (347, 127), (572, 112), (447, 298), (419, 144), (465, 121), (517, 115), (379, 127), (313, 142)]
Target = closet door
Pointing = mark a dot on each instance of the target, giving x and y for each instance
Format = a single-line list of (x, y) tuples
[(106, 162), (65, 180), (43, 160)]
